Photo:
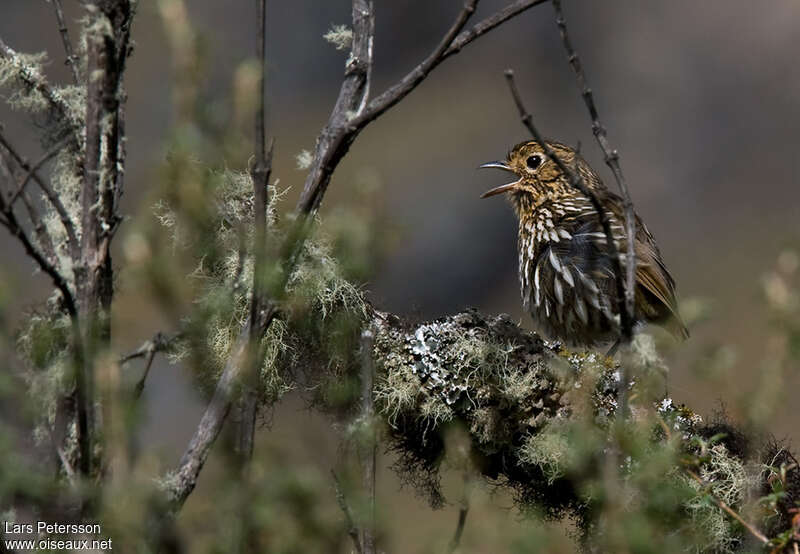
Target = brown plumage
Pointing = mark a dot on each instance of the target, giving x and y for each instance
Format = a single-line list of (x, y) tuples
[(566, 277)]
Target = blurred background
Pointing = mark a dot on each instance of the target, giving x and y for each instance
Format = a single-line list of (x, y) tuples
[(702, 100)]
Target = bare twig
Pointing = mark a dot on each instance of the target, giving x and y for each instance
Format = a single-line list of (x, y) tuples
[(31, 171), (727, 509), (342, 130), (262, 168), (148, 350), (612, 160), (352, 528), (368, 444), (72, 60), (463, 511), (576, 180), (66, 220), (184, 479), (10, 222), (159, 343)]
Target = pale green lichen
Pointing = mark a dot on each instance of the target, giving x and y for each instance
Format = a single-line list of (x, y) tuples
[(729, 482), (341, 36), (549, 449), (303, 159)]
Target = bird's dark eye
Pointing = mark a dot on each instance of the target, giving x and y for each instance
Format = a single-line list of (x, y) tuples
[(534, 161)]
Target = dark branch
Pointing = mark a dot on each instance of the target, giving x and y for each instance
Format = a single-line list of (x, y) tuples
[(10, 222), (260, 174), (576, 180), (486, 25), (612, 160), (72, 60), (66, 220)]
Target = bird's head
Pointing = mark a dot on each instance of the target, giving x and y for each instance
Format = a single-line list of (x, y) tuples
[(536, 174)]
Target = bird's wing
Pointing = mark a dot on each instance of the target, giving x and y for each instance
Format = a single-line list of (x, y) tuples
[(586, 252)]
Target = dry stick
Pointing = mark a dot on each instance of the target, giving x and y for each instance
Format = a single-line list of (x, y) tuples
[(612, 160), (575, 180), (727, 509), (368, 447), (55, 200), (352, 529), (463, 511), (332, 145), (31, 171), (62, 28)]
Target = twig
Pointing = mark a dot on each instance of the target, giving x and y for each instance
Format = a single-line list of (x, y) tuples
[(13, 226), (727, 509), (463, 511), (159, 343), (262, 168), (352, 529), (612, 160), (368, 443), (31, 170), (486, 25), (341, 131), (62, 28), (577, 181), (148, 350), (66, 220)]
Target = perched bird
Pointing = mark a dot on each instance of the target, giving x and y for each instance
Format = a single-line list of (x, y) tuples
[(566, 276)]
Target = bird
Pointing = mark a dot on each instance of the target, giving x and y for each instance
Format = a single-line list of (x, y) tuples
[(567, 278)]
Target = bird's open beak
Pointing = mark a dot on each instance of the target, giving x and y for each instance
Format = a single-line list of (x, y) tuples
[(502, 188)]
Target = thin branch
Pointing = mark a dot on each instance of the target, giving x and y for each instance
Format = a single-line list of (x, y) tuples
[(31, 171), (262, 168), (408, 83), (352, 528), (72, 60), (160, 343), (727, 509), (184, 478), (576, 180), (612, 160), (148, 350), (368, 442), (463, 511), (486, 25), (66, 220), (12, 224)]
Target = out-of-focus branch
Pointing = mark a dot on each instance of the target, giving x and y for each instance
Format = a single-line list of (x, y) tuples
[(368, 445), (10, 222), (260, 174), (352, 530), (576, 180), (612, 160), (72, 60), (159, 343), (52, 197)]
